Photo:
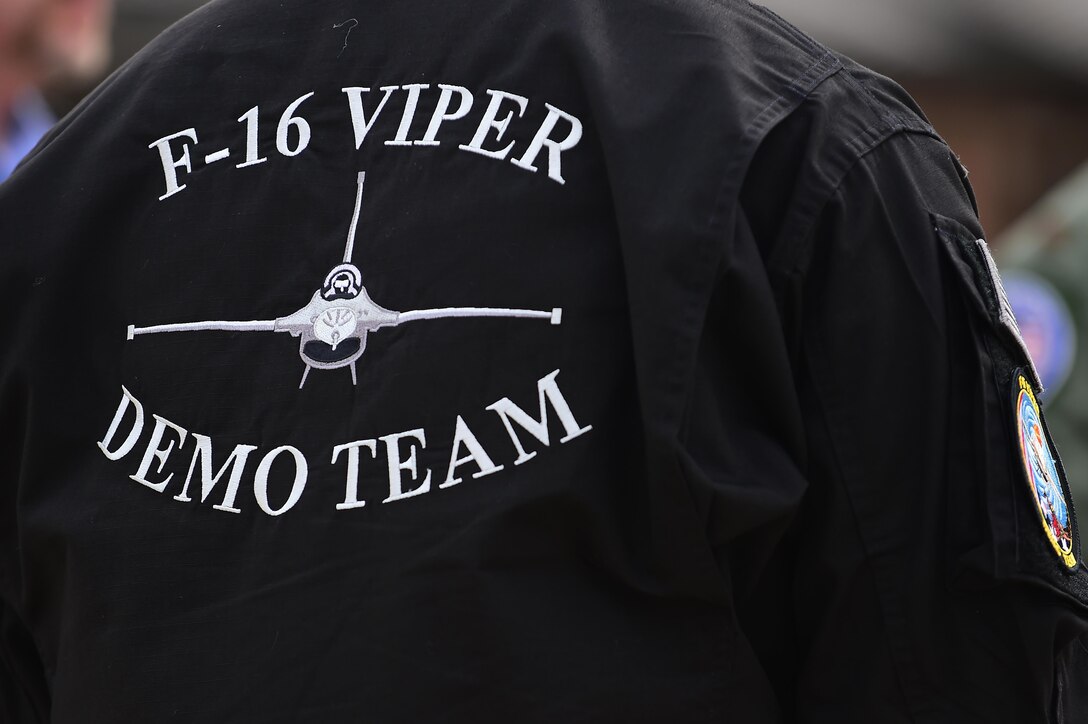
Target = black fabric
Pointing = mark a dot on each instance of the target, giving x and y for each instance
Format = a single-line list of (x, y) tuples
[(777, 481), (322, 352), (23, 694)]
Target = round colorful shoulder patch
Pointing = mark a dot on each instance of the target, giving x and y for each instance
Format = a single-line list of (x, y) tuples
[(1042, 473)]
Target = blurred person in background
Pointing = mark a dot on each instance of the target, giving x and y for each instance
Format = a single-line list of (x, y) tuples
[(43, 42)]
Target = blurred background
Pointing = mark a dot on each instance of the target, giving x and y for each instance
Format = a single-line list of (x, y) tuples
[(1004, 81)]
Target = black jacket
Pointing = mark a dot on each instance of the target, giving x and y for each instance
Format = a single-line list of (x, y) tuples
[(650, 371)]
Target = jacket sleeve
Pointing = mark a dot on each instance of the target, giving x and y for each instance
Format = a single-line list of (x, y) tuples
[(932, 581)]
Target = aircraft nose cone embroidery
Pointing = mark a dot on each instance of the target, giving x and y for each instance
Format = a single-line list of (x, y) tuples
[(333, 325)]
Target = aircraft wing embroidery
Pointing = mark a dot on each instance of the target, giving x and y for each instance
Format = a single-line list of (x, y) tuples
[(333, 325)]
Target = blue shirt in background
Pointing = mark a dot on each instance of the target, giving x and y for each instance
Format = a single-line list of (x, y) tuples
[(30, 119)]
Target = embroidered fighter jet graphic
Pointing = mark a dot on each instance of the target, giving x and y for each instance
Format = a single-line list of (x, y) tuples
[(333, 325)]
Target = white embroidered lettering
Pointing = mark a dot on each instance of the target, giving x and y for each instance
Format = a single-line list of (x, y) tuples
[(392, 452), (489, 122), (288, 121), (441, 112), (235, 462), (409, 477), (154, 452), (251, 119), (548, 391), (260, 481), (217, 156), (351, 491), (558, 132), (170, 164), (125, 448), (555, 148), (401, 139), (463, 435), (359, 123)]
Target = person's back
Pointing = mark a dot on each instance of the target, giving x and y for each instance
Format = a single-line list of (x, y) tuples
[(532, 362)]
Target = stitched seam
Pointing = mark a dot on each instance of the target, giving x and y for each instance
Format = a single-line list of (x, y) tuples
[(732, 179), (794, 243), (880, 110), (823, 68)]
